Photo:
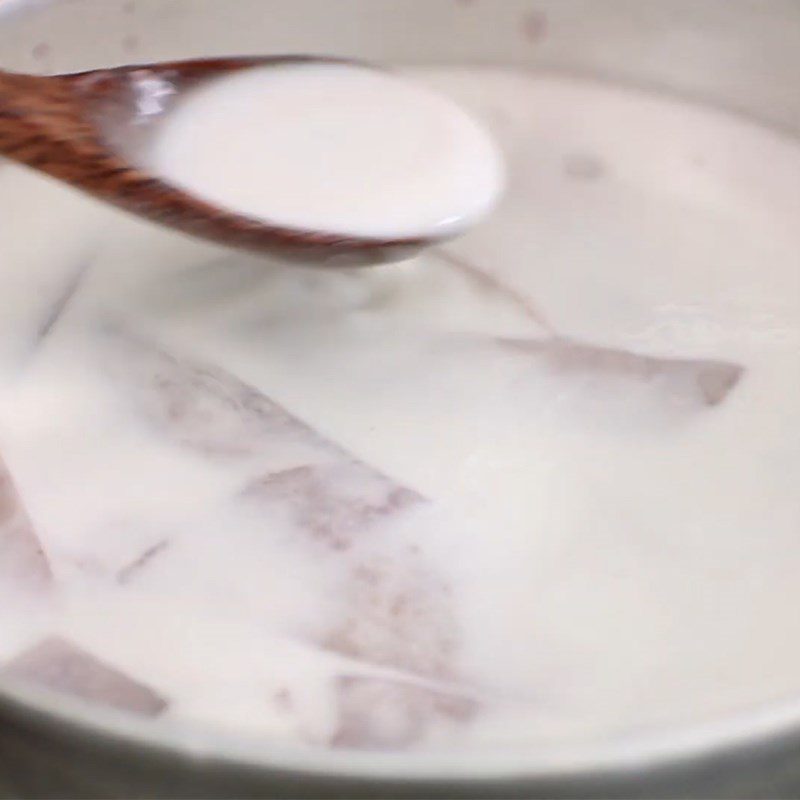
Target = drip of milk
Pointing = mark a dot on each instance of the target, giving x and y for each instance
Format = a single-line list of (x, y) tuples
[(360, 508), (331, 147)]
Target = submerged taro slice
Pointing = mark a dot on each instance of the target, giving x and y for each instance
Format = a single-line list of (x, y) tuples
[(400, 616), (333, 502), (23, 564), (397, 610), (205, 408), (695, 382), (686, 381), (377, 713), (60, 665)]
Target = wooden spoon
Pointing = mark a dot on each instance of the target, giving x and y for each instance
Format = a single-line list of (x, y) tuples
[(85, 129)]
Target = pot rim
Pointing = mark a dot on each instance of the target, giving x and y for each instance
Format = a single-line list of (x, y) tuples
[(634, 753)]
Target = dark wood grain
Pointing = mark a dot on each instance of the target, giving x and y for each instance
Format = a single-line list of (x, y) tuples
[(80, 129)]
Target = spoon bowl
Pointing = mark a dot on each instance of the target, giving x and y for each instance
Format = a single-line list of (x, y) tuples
[(86, 129)]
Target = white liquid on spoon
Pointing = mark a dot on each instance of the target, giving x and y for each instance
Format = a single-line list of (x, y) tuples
[(598, 554), (331, 147)]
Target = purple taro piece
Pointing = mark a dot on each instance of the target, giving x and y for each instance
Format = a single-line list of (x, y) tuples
[(23, 564), (204, 407), (334, 502), (378, 713), (400, 617), (59, 665), (397, 611), (696, 382)]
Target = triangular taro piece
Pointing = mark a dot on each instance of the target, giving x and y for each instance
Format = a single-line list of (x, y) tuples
[(59, 665), (694, 382), (397, 609), (23, 563), (386, 714)]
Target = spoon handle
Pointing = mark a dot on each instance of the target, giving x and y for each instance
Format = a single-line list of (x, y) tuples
[(52, 123), (42, 125), (85, 130), (36, 119), (56, 125), (48, 123)]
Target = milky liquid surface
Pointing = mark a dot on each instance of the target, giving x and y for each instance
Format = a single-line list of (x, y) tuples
[(539, 487), (331, 147)]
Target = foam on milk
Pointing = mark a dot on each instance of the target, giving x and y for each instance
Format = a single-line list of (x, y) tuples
[(331, 147), (512, 550)]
